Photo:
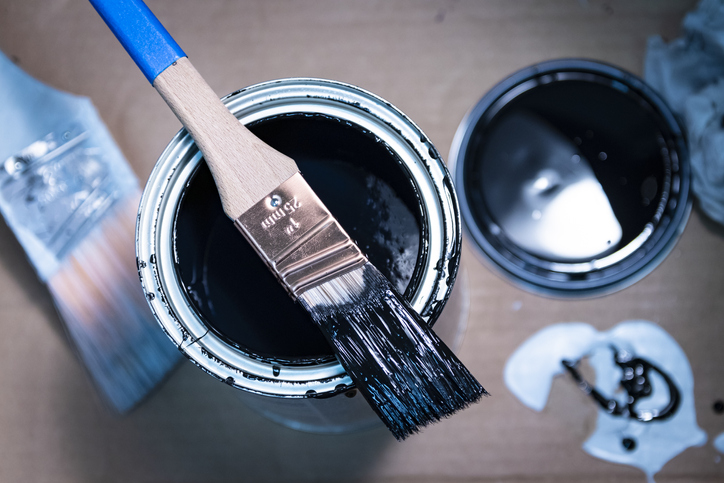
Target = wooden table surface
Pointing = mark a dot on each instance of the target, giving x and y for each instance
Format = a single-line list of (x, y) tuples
[(433, 60)]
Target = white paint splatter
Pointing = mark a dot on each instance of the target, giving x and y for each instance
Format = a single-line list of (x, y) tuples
[(719, 443), (530, 370)]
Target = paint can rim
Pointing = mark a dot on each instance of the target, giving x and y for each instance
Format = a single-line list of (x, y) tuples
[(614, 275), (177, 163)]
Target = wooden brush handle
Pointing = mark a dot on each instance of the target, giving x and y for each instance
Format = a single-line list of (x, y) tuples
[(245, 168)]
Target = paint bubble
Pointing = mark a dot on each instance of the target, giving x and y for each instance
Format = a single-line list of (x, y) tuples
[(718, 406), (629, 444)]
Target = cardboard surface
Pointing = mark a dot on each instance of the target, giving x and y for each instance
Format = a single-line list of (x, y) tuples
[(433, 60)]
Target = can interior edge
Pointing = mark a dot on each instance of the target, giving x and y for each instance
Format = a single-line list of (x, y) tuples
[(365, 187)]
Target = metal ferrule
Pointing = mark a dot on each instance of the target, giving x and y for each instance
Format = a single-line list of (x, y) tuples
[(298, 238)]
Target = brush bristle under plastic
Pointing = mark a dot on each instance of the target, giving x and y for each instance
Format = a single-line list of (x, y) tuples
[(98, 296)]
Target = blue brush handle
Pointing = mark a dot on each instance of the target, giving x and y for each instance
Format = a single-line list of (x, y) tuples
[(139, 31)]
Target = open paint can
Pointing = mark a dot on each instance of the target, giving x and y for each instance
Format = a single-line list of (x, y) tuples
[(378, 174), (573, 178)]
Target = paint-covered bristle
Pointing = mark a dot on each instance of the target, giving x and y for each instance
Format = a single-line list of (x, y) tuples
[(100, 300), (408, 375)]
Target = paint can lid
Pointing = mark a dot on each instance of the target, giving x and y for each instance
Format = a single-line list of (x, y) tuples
[(573, 178)]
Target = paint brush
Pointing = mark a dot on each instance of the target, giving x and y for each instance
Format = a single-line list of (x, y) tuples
[(406, 373), (71, 199)]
